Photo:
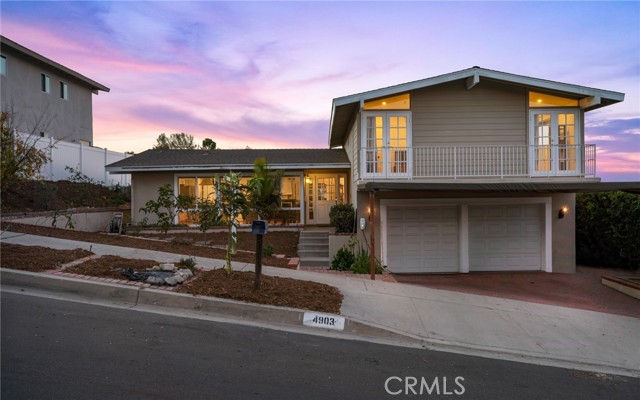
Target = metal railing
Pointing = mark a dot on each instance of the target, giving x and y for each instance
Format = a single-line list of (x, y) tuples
[(500, 161)]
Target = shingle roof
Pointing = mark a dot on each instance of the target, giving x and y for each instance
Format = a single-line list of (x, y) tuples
[(171, 160)]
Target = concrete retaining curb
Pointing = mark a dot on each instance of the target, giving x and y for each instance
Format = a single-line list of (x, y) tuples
[(134, 296)]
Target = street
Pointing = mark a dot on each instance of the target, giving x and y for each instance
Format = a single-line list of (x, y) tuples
[(53, 349)]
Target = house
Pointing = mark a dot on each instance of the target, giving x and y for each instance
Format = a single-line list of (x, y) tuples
[(49, 99), (313, 180), (474, 170)]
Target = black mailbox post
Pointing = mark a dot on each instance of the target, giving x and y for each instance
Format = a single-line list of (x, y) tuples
[(259, 228)]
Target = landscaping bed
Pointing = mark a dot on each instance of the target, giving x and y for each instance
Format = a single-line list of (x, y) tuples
[(36, 258), (284, 292), (176, 247)]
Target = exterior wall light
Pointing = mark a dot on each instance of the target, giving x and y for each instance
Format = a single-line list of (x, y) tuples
[(563, 211)]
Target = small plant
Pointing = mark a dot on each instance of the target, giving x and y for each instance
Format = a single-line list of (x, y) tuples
[(343, 259), (362, 264), (167, 207), (137, 228), (189, 263), (342, 217), (78, 177), (182, 241), (268, 250), (67, 214)]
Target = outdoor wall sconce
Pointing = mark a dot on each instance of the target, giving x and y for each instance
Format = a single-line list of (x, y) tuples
[(563, 211), (363, 223)]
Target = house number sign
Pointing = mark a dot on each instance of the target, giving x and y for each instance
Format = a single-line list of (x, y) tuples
[(318, 320)]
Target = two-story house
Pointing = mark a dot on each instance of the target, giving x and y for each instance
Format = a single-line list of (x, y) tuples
[(474, 170), (47, 98)]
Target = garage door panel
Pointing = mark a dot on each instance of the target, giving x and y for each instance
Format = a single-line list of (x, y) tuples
[(427, 243), (505, 237)]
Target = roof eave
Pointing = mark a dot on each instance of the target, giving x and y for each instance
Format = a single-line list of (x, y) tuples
[(235, 167)]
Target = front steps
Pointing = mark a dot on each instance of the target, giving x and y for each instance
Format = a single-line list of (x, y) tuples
[(313, 249)]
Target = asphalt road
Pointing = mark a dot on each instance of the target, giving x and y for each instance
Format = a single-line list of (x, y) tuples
[(54, 349)]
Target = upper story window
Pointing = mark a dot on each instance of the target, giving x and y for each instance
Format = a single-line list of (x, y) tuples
[(3, 65), (64, 91), (399, 102), (45, 83), (546, 100)]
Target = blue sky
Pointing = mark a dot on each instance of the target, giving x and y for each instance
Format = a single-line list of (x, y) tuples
[(264, 73)]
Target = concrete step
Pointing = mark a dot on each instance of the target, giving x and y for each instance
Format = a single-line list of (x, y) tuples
[(313, 246), (305, 254), (315, 262), (314, 240), (313, 234)]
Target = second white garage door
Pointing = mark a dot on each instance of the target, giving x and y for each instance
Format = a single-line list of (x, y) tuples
[(423, 239), (505, 237)]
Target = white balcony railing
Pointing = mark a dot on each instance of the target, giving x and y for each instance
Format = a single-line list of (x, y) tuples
[(477, 161)]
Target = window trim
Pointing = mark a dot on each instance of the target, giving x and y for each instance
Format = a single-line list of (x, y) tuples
[(45, 83), (386, 144), (554, 145), (4, 67), (64, 91)]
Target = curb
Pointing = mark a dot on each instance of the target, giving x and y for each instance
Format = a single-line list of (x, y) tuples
[(127, 296)]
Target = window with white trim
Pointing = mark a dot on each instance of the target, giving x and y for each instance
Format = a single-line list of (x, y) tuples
[(45, 83), (64, 91), (386, 143)]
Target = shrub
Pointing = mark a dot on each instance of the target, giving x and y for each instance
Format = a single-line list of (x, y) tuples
[(268, 250), (608, 229), (342, 217), (362, 264), (343, 259), (188, 263)]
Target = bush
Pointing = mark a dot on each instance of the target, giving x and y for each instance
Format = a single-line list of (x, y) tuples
[(342, 217), (189, 263), (343, 260), (608, 229), (362, 264), (268, 250)]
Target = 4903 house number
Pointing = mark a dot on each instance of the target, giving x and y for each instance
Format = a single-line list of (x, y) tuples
[(318, 320)]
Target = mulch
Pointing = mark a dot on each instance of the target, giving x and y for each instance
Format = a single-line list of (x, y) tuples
[(36, 258), (277, 291), (110, 267), (160, 245)]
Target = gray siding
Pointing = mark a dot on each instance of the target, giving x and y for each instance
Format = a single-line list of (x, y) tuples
[(70, 120), (450, 114)]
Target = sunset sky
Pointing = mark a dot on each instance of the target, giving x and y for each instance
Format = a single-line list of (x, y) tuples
[(263, 74)]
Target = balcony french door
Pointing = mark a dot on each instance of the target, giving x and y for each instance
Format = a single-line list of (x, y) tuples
[(387, 144), (555, 147)]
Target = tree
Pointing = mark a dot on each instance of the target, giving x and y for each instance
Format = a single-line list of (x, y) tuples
[(265, 198), (175, 141), (167, 207), (232, 202), (208, 144), (21, 158)]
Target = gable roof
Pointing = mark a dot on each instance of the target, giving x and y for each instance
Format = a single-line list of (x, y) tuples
[(344, 108), (40, 59), (225, 160)]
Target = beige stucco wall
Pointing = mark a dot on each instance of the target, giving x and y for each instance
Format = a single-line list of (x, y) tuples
[(563, 230), (144, 187), (564, 233)]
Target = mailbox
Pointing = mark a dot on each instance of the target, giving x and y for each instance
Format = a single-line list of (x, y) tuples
[(259, 227)]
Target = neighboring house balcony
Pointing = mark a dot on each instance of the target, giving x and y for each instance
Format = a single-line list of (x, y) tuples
[(478, 161)]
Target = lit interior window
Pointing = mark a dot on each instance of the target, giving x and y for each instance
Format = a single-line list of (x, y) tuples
[(547, 100), (399, 102)]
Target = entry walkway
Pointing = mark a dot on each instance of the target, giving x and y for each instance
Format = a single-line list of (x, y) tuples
[(452, 321)]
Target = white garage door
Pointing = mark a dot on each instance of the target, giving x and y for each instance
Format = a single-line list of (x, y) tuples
[(505, 237), (422, 239)]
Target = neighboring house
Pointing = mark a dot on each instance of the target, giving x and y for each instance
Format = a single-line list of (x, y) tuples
[(49, 99), (313, 181), (474, 170)]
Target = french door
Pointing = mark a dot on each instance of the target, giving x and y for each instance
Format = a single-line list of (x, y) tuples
[(387, 144), (554, 142)]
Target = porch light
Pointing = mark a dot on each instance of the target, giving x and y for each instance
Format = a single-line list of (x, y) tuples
[(563, 211), (307, 180)]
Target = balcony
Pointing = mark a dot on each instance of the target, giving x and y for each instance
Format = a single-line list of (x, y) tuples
[(455, 162)]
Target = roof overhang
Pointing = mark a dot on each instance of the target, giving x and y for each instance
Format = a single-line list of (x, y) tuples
[(344, 108), (38, 58), (540, 187), (218, 168)]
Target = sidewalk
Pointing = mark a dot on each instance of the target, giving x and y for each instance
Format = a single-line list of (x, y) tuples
[(452, 321)]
